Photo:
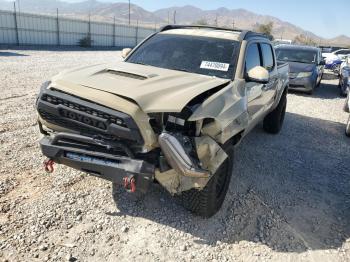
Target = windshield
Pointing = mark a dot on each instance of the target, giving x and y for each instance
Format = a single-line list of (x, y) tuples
[(194, 54), (295, 55)]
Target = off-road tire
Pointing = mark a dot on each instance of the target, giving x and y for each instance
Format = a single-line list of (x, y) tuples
[(207, 202), (347, 129), (274, 120)]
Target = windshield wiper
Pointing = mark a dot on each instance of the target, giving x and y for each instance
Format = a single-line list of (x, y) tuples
[(297, 61), (140, 63), (182, 70)]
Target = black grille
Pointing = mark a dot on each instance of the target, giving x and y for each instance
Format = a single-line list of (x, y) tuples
[(64, 123), (59, 101)]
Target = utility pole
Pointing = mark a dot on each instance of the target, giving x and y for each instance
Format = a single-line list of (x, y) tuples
[(58, 28), (174, 17), (129, 12), (216, 20), (168, 17), (233, 23), (16, 24)]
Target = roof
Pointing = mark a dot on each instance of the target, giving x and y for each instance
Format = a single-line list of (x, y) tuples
[(210, 31), (204, 33), (298, 47)]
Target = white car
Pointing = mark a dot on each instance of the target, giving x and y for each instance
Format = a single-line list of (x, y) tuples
[(344, 76), (341, 54)]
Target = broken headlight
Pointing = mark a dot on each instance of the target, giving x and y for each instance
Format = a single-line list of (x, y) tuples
[(173, 122)]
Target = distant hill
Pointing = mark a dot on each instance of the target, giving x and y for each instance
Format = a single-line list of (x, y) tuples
[(239, 18)]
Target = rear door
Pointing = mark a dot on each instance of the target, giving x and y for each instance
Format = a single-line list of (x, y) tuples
[(269, 63)]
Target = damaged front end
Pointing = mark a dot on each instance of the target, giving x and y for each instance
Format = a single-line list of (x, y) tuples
[(192, 164), (191, 140)]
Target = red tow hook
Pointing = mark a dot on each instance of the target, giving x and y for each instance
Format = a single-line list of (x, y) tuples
[(48, 165), (129, 184)]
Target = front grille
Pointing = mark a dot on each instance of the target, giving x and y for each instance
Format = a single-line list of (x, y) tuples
[(86, 117), (59, 101), (59, 121)]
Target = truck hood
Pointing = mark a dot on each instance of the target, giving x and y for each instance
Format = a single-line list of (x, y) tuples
[(153, 89)]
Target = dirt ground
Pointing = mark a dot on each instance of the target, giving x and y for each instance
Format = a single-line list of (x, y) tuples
[(289, 199)]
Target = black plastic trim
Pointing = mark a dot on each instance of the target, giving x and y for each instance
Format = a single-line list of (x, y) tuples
[(123, 166), (131, 132)]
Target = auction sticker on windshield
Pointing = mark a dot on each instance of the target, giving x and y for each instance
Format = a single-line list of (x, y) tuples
[(215, 66)]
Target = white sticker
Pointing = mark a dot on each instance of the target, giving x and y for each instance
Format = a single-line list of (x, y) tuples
[(215, 66)]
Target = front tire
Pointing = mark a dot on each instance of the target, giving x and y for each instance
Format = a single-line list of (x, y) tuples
[(207, 202), (274, 120)]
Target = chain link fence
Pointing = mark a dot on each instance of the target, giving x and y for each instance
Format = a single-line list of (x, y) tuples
[(17, 28)]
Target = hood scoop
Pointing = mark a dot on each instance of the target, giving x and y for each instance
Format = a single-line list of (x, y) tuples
[(129, 75)]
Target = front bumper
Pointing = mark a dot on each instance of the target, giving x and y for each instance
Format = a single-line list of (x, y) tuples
[(103, 165), (301, 84)]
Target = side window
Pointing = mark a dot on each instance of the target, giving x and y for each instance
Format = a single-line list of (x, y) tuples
[(252, 58), (268, 61)]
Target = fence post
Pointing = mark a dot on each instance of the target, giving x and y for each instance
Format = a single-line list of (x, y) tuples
[(114, 32), (16, 25), (58, 29), (137, 32)]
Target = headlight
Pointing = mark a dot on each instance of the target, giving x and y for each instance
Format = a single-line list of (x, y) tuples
[(304, 74)]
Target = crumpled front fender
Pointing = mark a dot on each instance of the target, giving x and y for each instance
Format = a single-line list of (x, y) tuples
[(229, 109)]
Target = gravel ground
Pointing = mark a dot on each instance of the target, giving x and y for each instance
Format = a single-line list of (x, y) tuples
[(289, 198)]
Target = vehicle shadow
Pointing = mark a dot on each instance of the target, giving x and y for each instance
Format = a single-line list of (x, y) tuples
[(327, 90), (7, 54), (289, 191)]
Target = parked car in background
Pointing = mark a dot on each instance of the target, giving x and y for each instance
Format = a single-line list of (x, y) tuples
[(346, 109), (305, 64), (341, 53), (344, 78), (333, 64)]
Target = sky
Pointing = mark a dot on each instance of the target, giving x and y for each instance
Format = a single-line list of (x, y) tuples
[(324, 18)]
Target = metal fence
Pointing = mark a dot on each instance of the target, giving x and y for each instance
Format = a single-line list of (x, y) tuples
[(32, 29)]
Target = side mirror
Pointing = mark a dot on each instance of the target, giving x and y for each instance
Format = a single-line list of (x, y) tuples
[(258, 74), (322, 62), (125, 52)]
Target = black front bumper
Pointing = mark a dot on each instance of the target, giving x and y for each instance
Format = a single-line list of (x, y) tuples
[(103, 165)]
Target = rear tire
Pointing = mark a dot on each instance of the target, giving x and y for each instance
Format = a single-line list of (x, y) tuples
[(207, 202), (274, 120)]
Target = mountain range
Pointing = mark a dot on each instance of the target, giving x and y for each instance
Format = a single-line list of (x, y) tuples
[(102, 11)]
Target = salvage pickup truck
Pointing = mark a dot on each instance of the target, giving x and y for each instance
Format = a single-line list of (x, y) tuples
[(170, 113)]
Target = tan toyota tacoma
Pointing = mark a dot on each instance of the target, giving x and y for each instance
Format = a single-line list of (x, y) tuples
[(170, 113)]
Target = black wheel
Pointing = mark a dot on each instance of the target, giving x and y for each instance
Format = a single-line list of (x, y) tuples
[(319, 82), (274, 120), (346, 105), (208, 201), (347, 129)]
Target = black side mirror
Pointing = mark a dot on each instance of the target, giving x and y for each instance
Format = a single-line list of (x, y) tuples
[(322, 62)]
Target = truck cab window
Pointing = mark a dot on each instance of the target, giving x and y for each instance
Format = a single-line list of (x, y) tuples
[(267, 55), (252, 57)]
